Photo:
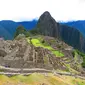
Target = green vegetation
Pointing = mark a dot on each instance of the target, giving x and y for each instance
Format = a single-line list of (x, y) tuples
[(74, 81), (34, 31), (40, 79), (46, 59), (28, 79), (57, 53), (69, 69), (20, 30), (39, 43), (82, 55), (20, 78), (75, 54)]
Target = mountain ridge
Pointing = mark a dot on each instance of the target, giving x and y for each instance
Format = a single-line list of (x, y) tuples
[(11, 26), (80, 25)]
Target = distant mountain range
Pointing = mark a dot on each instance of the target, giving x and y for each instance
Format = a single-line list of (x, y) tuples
[(80, 25), (8, 27)]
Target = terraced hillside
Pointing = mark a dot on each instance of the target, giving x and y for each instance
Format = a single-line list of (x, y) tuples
[(39, 42), (54, 62), (39, 52)]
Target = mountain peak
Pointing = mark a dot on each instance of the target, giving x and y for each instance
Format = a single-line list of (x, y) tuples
[(45, 16), (47, 25), (46, 13)]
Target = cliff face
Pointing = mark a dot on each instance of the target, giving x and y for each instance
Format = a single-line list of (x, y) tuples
[(73, 37), (80, 25), (48, 26)]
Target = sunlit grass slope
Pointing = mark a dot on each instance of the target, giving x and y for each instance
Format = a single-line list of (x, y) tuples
[(40, 79), (38, 43)]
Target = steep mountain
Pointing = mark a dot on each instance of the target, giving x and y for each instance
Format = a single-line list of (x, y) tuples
[(10, 27), (80, 25), (48, 26)]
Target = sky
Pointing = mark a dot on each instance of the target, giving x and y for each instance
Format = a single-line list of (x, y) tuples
[(25, 10)]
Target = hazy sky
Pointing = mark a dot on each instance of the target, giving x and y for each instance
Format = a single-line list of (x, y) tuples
[(61, 10)]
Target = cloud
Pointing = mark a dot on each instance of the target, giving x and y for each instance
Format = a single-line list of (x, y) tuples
[(81, 1), (61, 10)]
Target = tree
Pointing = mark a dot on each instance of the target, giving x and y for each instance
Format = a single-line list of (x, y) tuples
[(20, 30)]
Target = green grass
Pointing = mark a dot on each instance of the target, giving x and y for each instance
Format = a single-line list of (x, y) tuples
[(75, 55), (38, 43), (31, 79), (20, 78), (46, 60), (39, 79), (83, 56), (78, 81), (69, 69), (57, 53)]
